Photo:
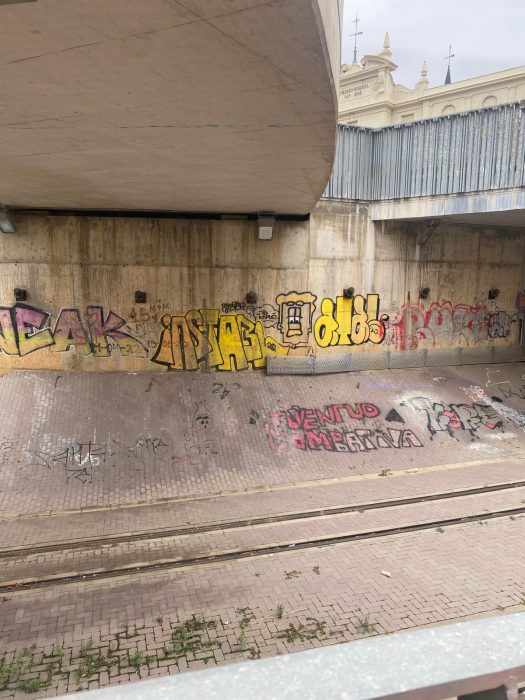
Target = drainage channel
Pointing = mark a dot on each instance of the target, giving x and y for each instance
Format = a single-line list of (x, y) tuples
[(239, 554), (251, 522)]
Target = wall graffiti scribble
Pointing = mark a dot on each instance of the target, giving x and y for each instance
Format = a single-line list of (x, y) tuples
[(199, 440), (453, 417), (83, 461), (78, 460), (311, 429), (515, 417), (447, 324)]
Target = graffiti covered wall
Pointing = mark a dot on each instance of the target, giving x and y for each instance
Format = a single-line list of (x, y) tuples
[(444, 324), (222, 340), (81, 275), (25, 329)]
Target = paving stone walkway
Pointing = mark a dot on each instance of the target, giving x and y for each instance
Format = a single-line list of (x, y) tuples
[(132, 457)]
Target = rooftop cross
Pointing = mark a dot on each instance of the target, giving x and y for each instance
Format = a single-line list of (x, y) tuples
[(355, 35), (448, 58)]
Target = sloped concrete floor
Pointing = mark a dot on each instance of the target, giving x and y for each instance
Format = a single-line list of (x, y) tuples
[(78, 440)]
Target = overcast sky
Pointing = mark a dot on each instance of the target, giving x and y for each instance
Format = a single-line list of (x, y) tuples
[(486, 35)]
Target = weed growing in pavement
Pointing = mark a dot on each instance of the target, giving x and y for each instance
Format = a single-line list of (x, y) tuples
[(91, 664), (241, 640), (58, 650), (385, 472), (165, 654), (31, 671), (33, 685), (364, 626), (314, 629), (28, 671), (292, 574), (137, 659), (196, 623), (439, 529), (316, 570), (10, 670), (159, 619), (246, 616), (131, 631), (187, 637), (85, 647), (184, 641), (14, 672)]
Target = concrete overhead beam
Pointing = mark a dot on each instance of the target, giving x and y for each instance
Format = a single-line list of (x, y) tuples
[(502, 207), (191, 105)]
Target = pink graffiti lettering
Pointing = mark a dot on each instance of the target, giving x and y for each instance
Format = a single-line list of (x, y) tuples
[(30, 329), (103, 332), (446, 324), (312, 418), (311, 429), (24, 329)]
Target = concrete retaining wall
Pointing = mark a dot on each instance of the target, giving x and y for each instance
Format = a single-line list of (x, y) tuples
[(81, 275)]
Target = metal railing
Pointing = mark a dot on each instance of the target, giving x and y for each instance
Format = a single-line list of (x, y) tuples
[(482, 658), (475, 151)]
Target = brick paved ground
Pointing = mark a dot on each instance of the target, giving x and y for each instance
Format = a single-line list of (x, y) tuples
[(87, 456), (327, 595), (80, 440), (182, 547)]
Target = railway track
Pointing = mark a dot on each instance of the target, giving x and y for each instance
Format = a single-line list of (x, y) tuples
[(181, 547)]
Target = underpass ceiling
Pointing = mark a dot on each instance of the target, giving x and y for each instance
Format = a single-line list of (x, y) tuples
[(176, 105)]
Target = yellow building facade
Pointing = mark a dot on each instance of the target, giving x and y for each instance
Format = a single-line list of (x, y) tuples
[(369, 95)]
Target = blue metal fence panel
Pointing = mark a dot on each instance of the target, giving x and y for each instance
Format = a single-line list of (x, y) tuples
[(474, 151)]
